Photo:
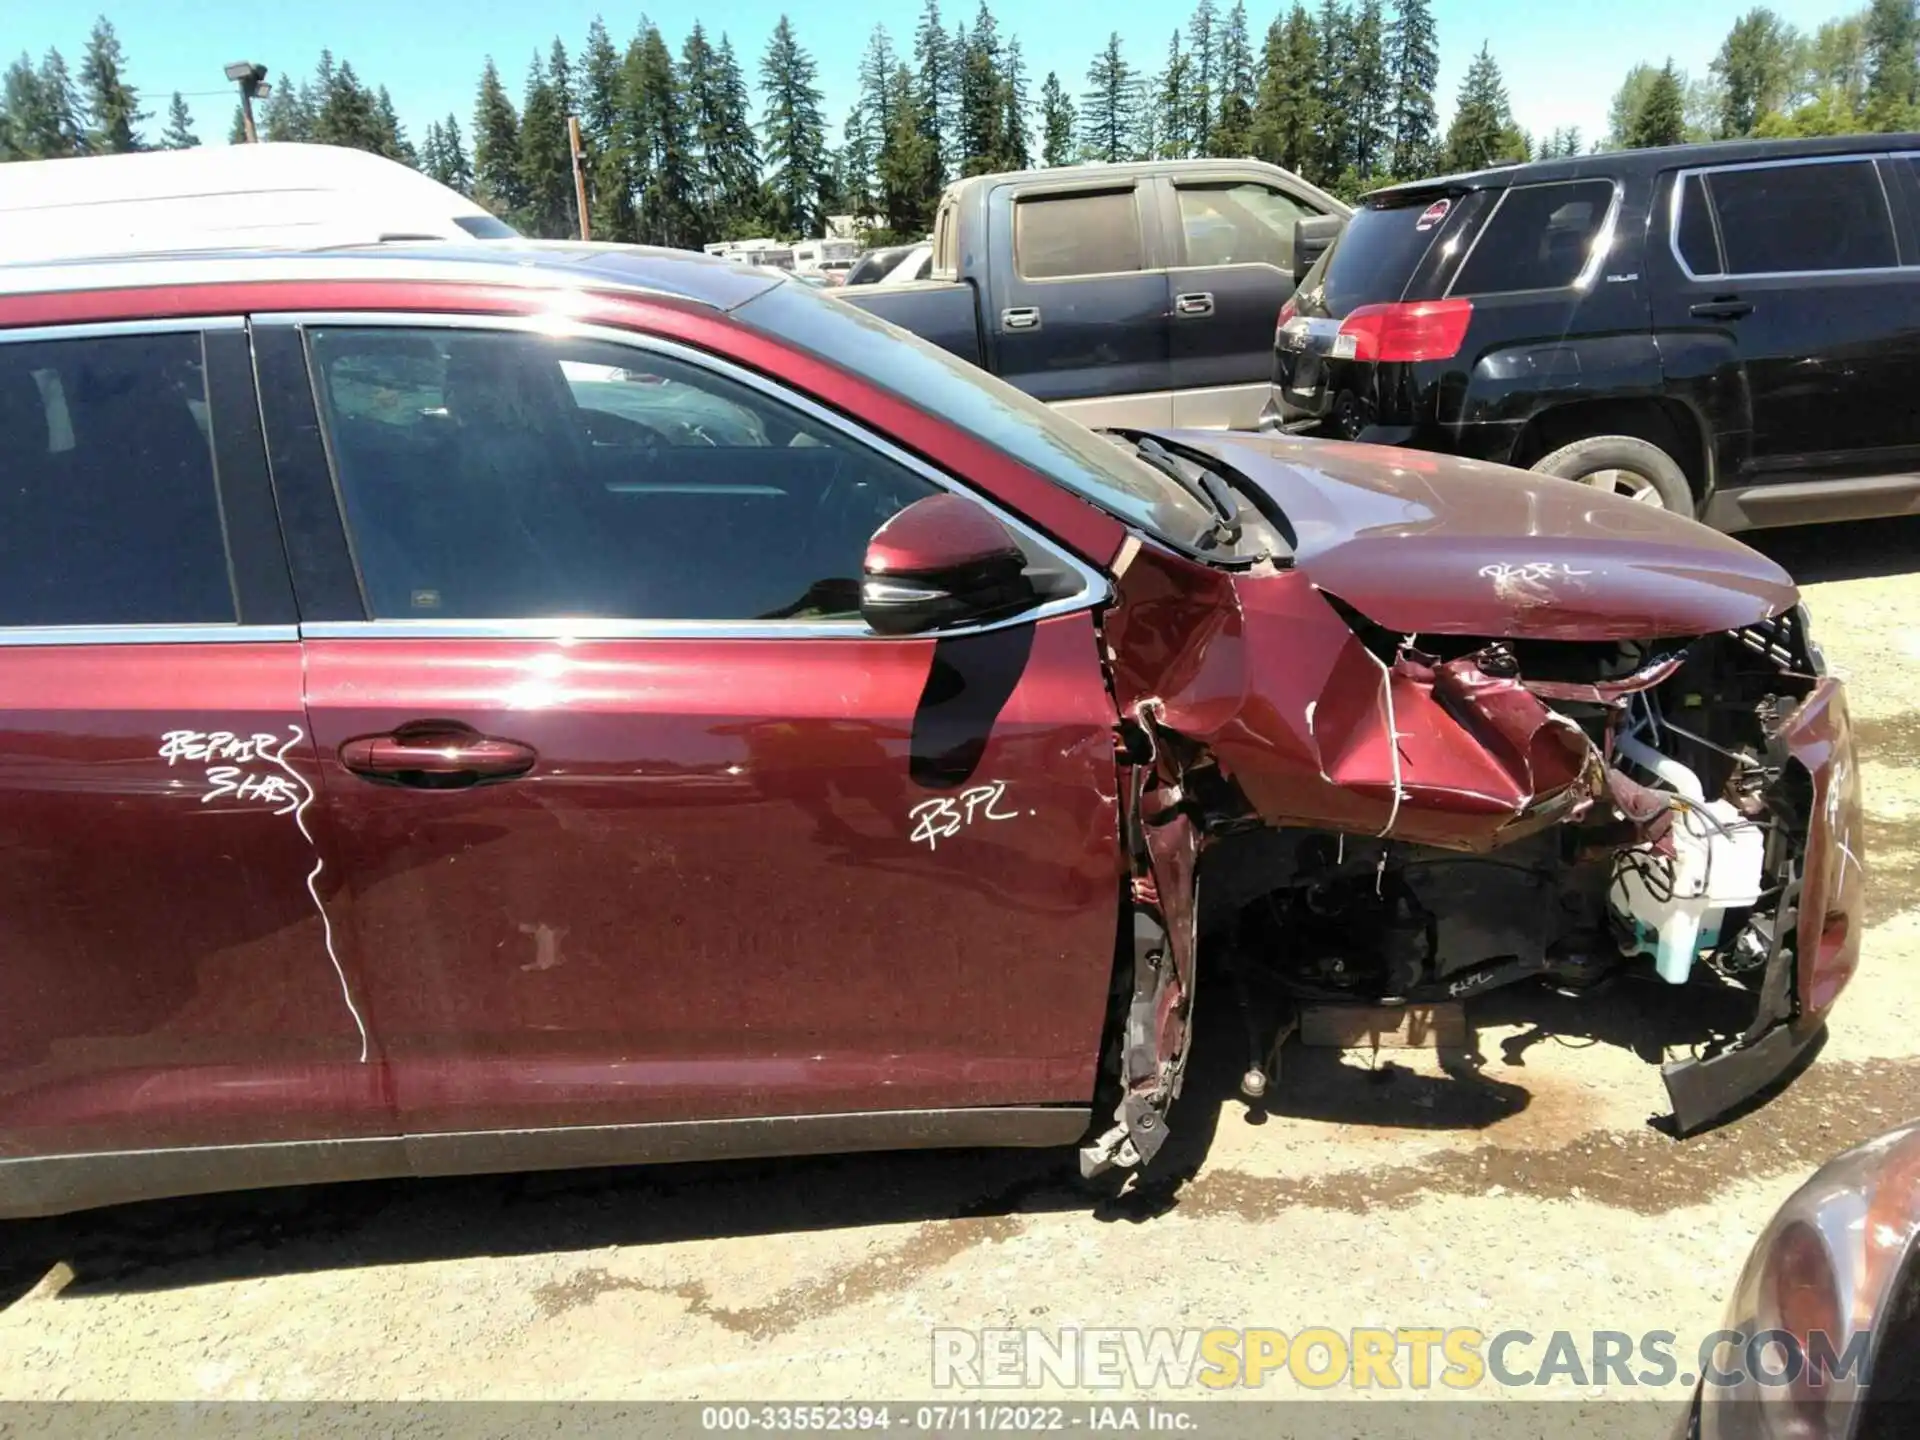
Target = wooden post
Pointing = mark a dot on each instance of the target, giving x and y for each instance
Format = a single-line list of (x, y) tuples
[(579, 176)]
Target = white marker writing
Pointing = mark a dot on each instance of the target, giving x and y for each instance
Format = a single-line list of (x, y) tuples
[(937, 820)]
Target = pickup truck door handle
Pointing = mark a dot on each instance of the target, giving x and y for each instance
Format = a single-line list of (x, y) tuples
[(1722, 307), (429, 755), (1021, 317), (1199, 302)]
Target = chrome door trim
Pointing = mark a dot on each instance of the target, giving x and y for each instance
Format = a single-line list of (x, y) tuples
[(94, 329), (1093, 590), (214, 634), (1677, 199)]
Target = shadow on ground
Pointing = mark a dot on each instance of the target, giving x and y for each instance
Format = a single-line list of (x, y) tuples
[(171, 1243), (1858, 550)]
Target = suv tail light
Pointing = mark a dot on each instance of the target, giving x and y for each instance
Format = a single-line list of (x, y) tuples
[(1414, 330)]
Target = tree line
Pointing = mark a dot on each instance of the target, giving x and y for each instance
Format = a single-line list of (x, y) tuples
[(1855, 74), (1342, 93)]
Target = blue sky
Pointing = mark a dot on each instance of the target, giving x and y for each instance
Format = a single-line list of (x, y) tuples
[(1562, 62)]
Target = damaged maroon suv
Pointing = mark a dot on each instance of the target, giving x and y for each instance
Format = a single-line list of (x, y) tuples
[(558, 706)]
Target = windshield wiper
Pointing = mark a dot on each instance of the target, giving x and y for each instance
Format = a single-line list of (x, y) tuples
[(1210, 490)]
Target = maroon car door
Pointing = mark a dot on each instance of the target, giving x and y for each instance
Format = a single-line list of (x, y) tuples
[(169, 981), (640, 823)]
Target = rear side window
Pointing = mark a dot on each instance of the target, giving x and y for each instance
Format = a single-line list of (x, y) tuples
[(1539, 237), (1782, 219), (1060, 235), (1375, 258), (485, 227), (108, 510)]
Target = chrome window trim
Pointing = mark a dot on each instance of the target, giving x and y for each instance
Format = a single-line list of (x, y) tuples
[(210, 634), (1678, 197), (1600, 247), (95, 329), (1094, 588)]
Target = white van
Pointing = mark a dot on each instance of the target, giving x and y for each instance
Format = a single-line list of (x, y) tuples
[(226, 197)]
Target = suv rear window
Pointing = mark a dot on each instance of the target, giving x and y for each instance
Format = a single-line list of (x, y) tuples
[(1377, 254), (1539, 238)]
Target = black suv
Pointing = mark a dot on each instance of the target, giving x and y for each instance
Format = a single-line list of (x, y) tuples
[(1731, 330)]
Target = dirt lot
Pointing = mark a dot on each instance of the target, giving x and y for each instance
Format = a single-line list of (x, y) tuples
[(1538, 1198)]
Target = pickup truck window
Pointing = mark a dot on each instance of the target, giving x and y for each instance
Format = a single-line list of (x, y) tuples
[(1243, 224), (1055, 236), (1008, 419)]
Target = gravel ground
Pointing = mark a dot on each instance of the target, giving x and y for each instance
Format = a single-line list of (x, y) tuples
[(1536, 1197)]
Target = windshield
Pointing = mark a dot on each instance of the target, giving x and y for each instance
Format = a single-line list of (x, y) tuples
[(1006, 418)]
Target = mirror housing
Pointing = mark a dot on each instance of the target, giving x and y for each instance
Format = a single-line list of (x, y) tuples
[(943, 560), (1311, 237)]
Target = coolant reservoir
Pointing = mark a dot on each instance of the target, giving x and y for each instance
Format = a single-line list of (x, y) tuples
[(1672, 908)]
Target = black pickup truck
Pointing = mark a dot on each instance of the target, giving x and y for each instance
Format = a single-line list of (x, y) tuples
[(1142, 294)]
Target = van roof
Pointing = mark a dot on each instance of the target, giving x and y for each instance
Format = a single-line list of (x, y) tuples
[(221, 197)]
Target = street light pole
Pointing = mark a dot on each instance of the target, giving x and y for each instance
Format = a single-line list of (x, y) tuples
[(252, 80)]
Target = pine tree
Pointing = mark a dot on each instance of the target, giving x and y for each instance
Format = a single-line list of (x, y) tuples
[(1662, 119), (658, 126), (936, 100), (61, 132), (545, 164), (877, 102), (289, 111), (496, 148), (724, 129), (33, 128), (1171, 110), (348, 113), (1333, 90), (795, 133), (1233, 114), (113, 106), (393, 135), (608, 162), (1756, 68), (1370, 93), (1058, 124), (451, 166), (982, 98), (1016, 149), (904, 159), (1286, 116), (856, 165), (1893, 73), (179, 132), (1483, 132), (1413, 69), (237, 130), (1110, 109), (1203, 44)]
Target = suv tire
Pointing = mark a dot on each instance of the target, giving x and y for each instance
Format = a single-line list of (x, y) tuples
[(1626, 466)]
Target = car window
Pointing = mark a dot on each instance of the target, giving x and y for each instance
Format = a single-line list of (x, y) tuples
[(993, 411), (1060, 235), (1373, 259), (508, 475), (109, 514), (1782, 219), (1242, 224), (1698, 243), (1539, 237)]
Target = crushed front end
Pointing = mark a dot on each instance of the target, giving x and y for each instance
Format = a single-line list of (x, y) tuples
[(1403, 816)]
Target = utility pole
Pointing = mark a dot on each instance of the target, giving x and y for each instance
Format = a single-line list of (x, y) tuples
[(252, 80), (579, 176)]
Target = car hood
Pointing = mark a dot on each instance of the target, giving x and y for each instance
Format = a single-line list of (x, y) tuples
[(1432, 544)]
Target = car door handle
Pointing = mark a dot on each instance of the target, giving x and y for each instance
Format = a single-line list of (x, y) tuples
[(1021, 317), (434, 756), (1722, 307), (1200, 302)]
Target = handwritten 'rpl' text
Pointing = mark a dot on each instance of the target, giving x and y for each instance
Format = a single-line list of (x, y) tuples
[(937, 820)]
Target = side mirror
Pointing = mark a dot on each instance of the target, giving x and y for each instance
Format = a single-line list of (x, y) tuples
[(941, 561), (1310, 241)]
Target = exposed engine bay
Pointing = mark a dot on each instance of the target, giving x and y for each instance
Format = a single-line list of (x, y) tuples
[(1624, 804)]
